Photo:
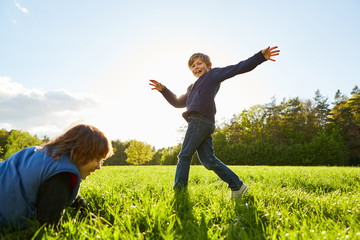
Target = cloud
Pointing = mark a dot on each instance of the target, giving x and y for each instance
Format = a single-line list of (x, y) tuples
[(38, 111), (21, 8)]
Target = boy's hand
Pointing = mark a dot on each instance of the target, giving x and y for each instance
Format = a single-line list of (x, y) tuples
[(156, 85), (270, 52)]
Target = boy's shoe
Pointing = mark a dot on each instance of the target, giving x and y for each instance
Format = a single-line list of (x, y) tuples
[(237, 195)]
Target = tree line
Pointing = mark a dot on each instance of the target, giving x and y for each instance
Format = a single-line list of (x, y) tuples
[(293, 132)]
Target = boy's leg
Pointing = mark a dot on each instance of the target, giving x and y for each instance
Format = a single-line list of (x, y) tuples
[(208, 159), (197, 131)]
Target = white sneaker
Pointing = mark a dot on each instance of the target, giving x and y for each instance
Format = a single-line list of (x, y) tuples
[(237, 195)]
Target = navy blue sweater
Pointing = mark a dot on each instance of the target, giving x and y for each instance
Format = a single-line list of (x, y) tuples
[(200, 96)]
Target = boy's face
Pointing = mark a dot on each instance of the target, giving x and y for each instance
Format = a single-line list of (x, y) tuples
[(89, 167), (198, 68)]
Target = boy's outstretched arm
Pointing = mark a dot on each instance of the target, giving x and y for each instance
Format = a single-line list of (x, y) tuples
[(178, 102), (269, 52), (156, 85)]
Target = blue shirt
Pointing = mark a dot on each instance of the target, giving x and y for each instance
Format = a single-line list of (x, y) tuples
[(200, 96)]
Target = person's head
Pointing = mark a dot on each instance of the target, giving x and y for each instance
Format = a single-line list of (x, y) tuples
[(199, 64), (85, 145)]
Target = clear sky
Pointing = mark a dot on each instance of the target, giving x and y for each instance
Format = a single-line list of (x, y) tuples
[(63, 62)]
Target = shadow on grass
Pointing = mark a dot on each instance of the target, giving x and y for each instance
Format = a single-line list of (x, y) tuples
[(249, 223), (33, 231), (186, 225)]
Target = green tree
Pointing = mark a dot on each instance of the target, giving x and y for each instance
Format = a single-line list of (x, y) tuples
[(3, 140), (345, 115), (46, 139), (119, 157), (354, 104), (156, 160), (170, 155), (273, 123), (321, 110), (139, 152), (293, 120), (19, 140), (346, 112), (327, 148), (246, 127), (355, 90)]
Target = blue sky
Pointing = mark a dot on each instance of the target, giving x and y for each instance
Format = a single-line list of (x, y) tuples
[(64, 62)]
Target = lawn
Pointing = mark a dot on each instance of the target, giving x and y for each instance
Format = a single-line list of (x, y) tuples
[(282, 203)]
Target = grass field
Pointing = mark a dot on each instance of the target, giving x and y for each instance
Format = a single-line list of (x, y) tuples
[(282, 203)]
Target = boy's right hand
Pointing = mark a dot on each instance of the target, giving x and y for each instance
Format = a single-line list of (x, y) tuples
[(156, 85)]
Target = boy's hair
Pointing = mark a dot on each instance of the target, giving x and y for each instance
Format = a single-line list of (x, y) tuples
[(205, 58), (82, 143)]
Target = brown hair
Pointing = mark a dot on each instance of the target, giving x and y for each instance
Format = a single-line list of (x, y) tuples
[(204, 57), (82, 143)]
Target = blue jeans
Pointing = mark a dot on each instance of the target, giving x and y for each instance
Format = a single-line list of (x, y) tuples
[(198, 138)]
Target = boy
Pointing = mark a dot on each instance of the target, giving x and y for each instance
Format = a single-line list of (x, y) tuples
[(200, 115)]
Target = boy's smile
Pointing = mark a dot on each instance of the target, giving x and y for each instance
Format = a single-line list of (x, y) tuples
[(198, 68), (86, 169)]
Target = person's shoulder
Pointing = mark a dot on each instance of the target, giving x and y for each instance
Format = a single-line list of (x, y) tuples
[(214, 69), (212, 73), (26, 151)]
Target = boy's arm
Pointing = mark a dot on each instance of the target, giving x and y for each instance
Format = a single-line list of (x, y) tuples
[(248, 64), (242, 67), (53, 196), (178, 102)]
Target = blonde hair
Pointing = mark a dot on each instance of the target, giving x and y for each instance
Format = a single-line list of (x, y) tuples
[(82, 143), (205, 58)]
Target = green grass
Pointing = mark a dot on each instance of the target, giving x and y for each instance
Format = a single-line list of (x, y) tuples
[(282, 203)]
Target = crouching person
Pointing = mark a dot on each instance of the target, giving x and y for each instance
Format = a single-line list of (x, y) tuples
[(41, 182)]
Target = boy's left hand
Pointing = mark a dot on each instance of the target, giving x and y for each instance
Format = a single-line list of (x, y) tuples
[(270, 52)]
